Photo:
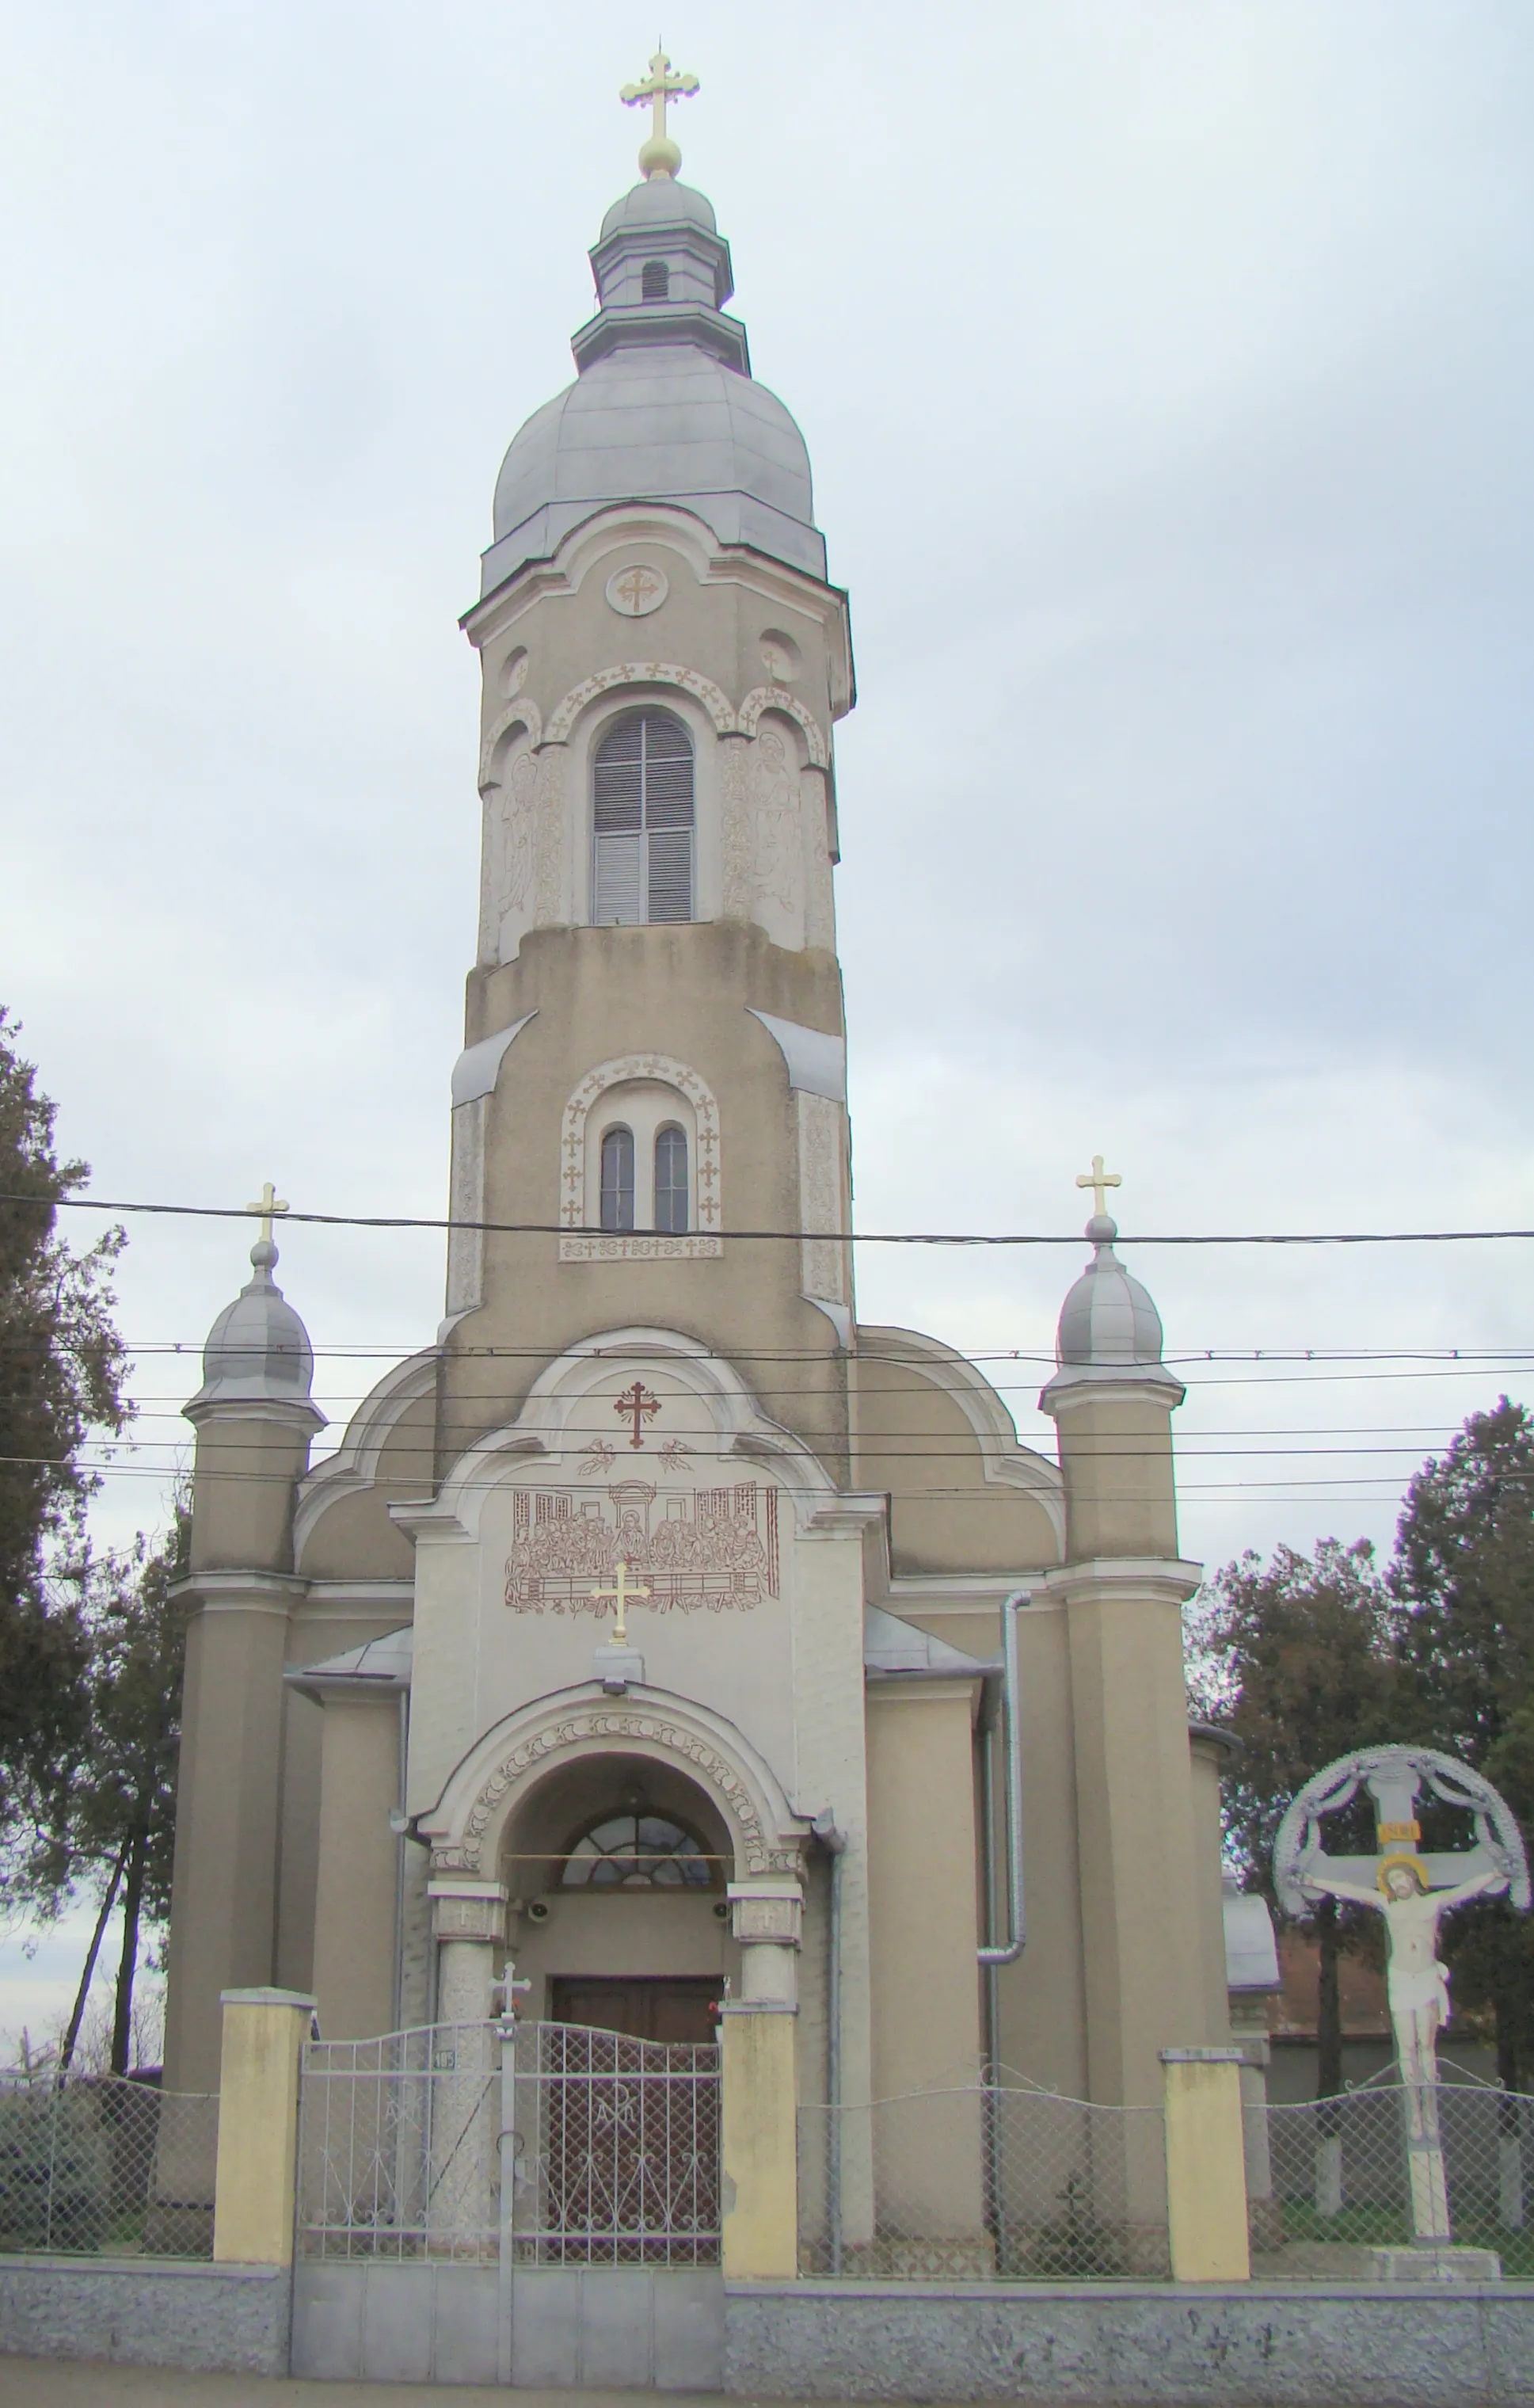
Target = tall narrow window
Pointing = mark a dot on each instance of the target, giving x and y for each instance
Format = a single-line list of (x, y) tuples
[(642, 816), (618, 1179), (672, 1180), (655, 283)]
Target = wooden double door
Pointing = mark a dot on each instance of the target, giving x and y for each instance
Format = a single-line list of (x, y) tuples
[(664, 2010)]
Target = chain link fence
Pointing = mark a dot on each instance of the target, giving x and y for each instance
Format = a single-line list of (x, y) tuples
[(981, 2182), (1361, 2169), (98, 2165)]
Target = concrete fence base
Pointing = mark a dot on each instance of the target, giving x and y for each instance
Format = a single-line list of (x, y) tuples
[(146, 2312), (1258, 2346)]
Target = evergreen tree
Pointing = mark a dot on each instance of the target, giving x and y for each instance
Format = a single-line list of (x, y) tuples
[(1295, 1659), (115, 1824), (62, 1370), (1464, 1572)]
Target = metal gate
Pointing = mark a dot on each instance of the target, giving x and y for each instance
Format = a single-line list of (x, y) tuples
[(612, 2148), (535, 2145)]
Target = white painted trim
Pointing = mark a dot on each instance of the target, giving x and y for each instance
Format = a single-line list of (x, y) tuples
[(539, 1427), (816, 1060), (505, 1764), (1005, 1462), (477, 1068), (355, 1466)]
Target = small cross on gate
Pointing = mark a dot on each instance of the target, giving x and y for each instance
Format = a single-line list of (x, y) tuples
[(271, 1203), (1098, 1179), (620, 1592), (639, 1406)]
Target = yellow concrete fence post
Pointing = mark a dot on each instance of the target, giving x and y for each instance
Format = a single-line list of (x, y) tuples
[(760, 2226), (264, 2031), (1206, 2165)]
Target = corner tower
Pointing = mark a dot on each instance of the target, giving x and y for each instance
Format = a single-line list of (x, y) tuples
[(654, 1063)]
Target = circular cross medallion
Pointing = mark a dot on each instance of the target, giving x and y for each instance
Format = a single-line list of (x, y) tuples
[(634, 593)]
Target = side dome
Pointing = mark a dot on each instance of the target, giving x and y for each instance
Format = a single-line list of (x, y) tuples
[(1108, 1317), (1109, 1331), (258, 1351)]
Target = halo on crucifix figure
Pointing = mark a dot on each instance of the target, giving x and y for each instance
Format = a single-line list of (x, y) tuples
[(659, 155)]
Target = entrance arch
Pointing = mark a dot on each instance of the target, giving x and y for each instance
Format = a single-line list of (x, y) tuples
[(488, 1786)]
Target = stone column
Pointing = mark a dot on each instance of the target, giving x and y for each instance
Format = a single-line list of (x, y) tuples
[(469, 1922), (759, 2084), (468, 1918)]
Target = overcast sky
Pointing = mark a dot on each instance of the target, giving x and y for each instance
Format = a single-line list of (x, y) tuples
[(1166, 371)]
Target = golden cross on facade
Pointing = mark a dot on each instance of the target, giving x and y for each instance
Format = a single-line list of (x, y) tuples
[(1099, 1180), (660, 156), (271, 1204), (639, 1406), (620, 1592)]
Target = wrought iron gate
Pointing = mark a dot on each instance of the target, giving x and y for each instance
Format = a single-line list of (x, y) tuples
[(537, 2145)]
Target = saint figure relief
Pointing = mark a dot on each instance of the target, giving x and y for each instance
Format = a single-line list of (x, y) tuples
[(514, 809), (1417, 1982), (775, 820)]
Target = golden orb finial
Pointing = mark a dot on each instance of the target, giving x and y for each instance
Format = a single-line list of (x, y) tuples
[(660, 156)]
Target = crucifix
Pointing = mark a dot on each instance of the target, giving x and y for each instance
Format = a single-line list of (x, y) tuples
[(1099, 1180), (271, 1203), (636, 1405), (660, 156), (620, 1592)]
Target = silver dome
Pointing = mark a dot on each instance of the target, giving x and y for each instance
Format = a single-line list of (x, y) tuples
[(258, 1351), (665, 408), (1109, 1328)]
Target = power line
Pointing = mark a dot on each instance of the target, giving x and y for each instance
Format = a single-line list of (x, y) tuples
[(794, 1237)]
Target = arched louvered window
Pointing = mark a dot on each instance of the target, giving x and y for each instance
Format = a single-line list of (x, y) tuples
[(655, 283), (642, 814), (618, 1179), (672, 1180)]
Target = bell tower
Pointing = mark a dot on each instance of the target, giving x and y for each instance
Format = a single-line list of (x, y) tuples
[(650, 1112)]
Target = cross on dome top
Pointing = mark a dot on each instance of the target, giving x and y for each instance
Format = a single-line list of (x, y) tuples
[(264, 1254), (660, 156), (1099, 1180)]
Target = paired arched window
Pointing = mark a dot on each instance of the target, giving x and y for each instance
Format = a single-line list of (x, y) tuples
[(672, 1180), (655, 283), (670, 1186), (618, 1179), (642, 819)]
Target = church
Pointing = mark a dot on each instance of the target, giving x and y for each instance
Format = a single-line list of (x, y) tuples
[(662, 1644)]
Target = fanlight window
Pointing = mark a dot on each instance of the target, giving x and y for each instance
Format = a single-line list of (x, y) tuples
[(672, 1180), (618, 1179), (642, 816), (638, 1852), (655, 283)]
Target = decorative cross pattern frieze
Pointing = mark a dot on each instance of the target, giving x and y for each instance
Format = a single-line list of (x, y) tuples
[(572, 1142)]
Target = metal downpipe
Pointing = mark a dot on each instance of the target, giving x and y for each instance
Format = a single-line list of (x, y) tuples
[(994, 1955), (834, 1844)]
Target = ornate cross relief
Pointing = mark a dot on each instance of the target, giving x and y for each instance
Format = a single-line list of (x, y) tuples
[(634, 593)]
